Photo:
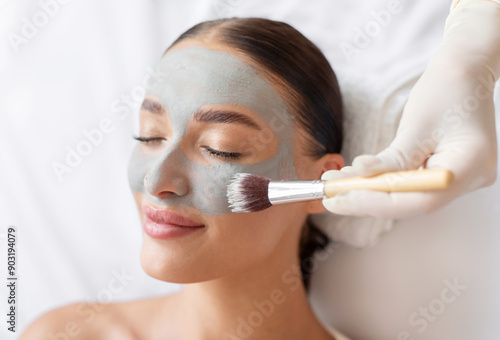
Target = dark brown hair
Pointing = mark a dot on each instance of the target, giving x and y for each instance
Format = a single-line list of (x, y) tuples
[(310, 85)]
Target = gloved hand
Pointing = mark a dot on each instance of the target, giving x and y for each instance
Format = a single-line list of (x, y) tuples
[(448, 121)]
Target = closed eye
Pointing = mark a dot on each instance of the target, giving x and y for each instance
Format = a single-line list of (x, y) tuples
[(222, 154), (150, 141), (216, 153)]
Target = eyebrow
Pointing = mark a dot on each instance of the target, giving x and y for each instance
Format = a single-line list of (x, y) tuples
[(152, 106), (206, 116), (225, 117)]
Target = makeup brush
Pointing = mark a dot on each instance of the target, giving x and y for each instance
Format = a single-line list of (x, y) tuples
[(252, 193)]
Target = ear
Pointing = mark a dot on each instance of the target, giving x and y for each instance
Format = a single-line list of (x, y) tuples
[(331, 161)]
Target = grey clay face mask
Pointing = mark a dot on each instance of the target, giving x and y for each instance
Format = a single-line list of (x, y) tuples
[(193, 77)]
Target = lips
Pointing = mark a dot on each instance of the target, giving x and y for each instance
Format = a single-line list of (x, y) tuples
[(165, 224)]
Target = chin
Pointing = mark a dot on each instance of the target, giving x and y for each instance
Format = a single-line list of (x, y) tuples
[(173, 265)]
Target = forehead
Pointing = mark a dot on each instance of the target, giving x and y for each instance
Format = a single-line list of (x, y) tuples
[(196, 76)]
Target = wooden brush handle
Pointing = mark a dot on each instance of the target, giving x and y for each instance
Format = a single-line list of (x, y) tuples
[(412, 180)]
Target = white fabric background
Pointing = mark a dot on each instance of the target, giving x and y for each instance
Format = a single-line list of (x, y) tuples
[(75, 235)]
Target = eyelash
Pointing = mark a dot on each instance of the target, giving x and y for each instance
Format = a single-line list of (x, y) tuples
[(222, 154), (148, 140), (216, 153)]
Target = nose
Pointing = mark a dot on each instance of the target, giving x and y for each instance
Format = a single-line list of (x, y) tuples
[(168, 177)]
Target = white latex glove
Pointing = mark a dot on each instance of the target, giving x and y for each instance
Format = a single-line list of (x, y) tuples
[(448, 121)]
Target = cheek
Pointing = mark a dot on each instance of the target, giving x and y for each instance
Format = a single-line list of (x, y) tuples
[(209, 182), (247, 239), (139, 198), (138, 166), (208, 187), (213, 180), (244, 238)]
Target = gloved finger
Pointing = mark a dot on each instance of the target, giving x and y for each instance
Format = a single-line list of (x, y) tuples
[(390, 159), (338, 174), (385, 205), (349, 170)]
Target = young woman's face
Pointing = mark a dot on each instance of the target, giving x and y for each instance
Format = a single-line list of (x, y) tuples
[(210, 116)]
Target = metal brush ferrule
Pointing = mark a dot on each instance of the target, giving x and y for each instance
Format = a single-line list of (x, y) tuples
[(295, 191)]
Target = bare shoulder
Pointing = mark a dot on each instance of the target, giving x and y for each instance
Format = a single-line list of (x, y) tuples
[(80, 321), (129, 320)]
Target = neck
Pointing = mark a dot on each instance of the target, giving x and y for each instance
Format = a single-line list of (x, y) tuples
[(267, 301)]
